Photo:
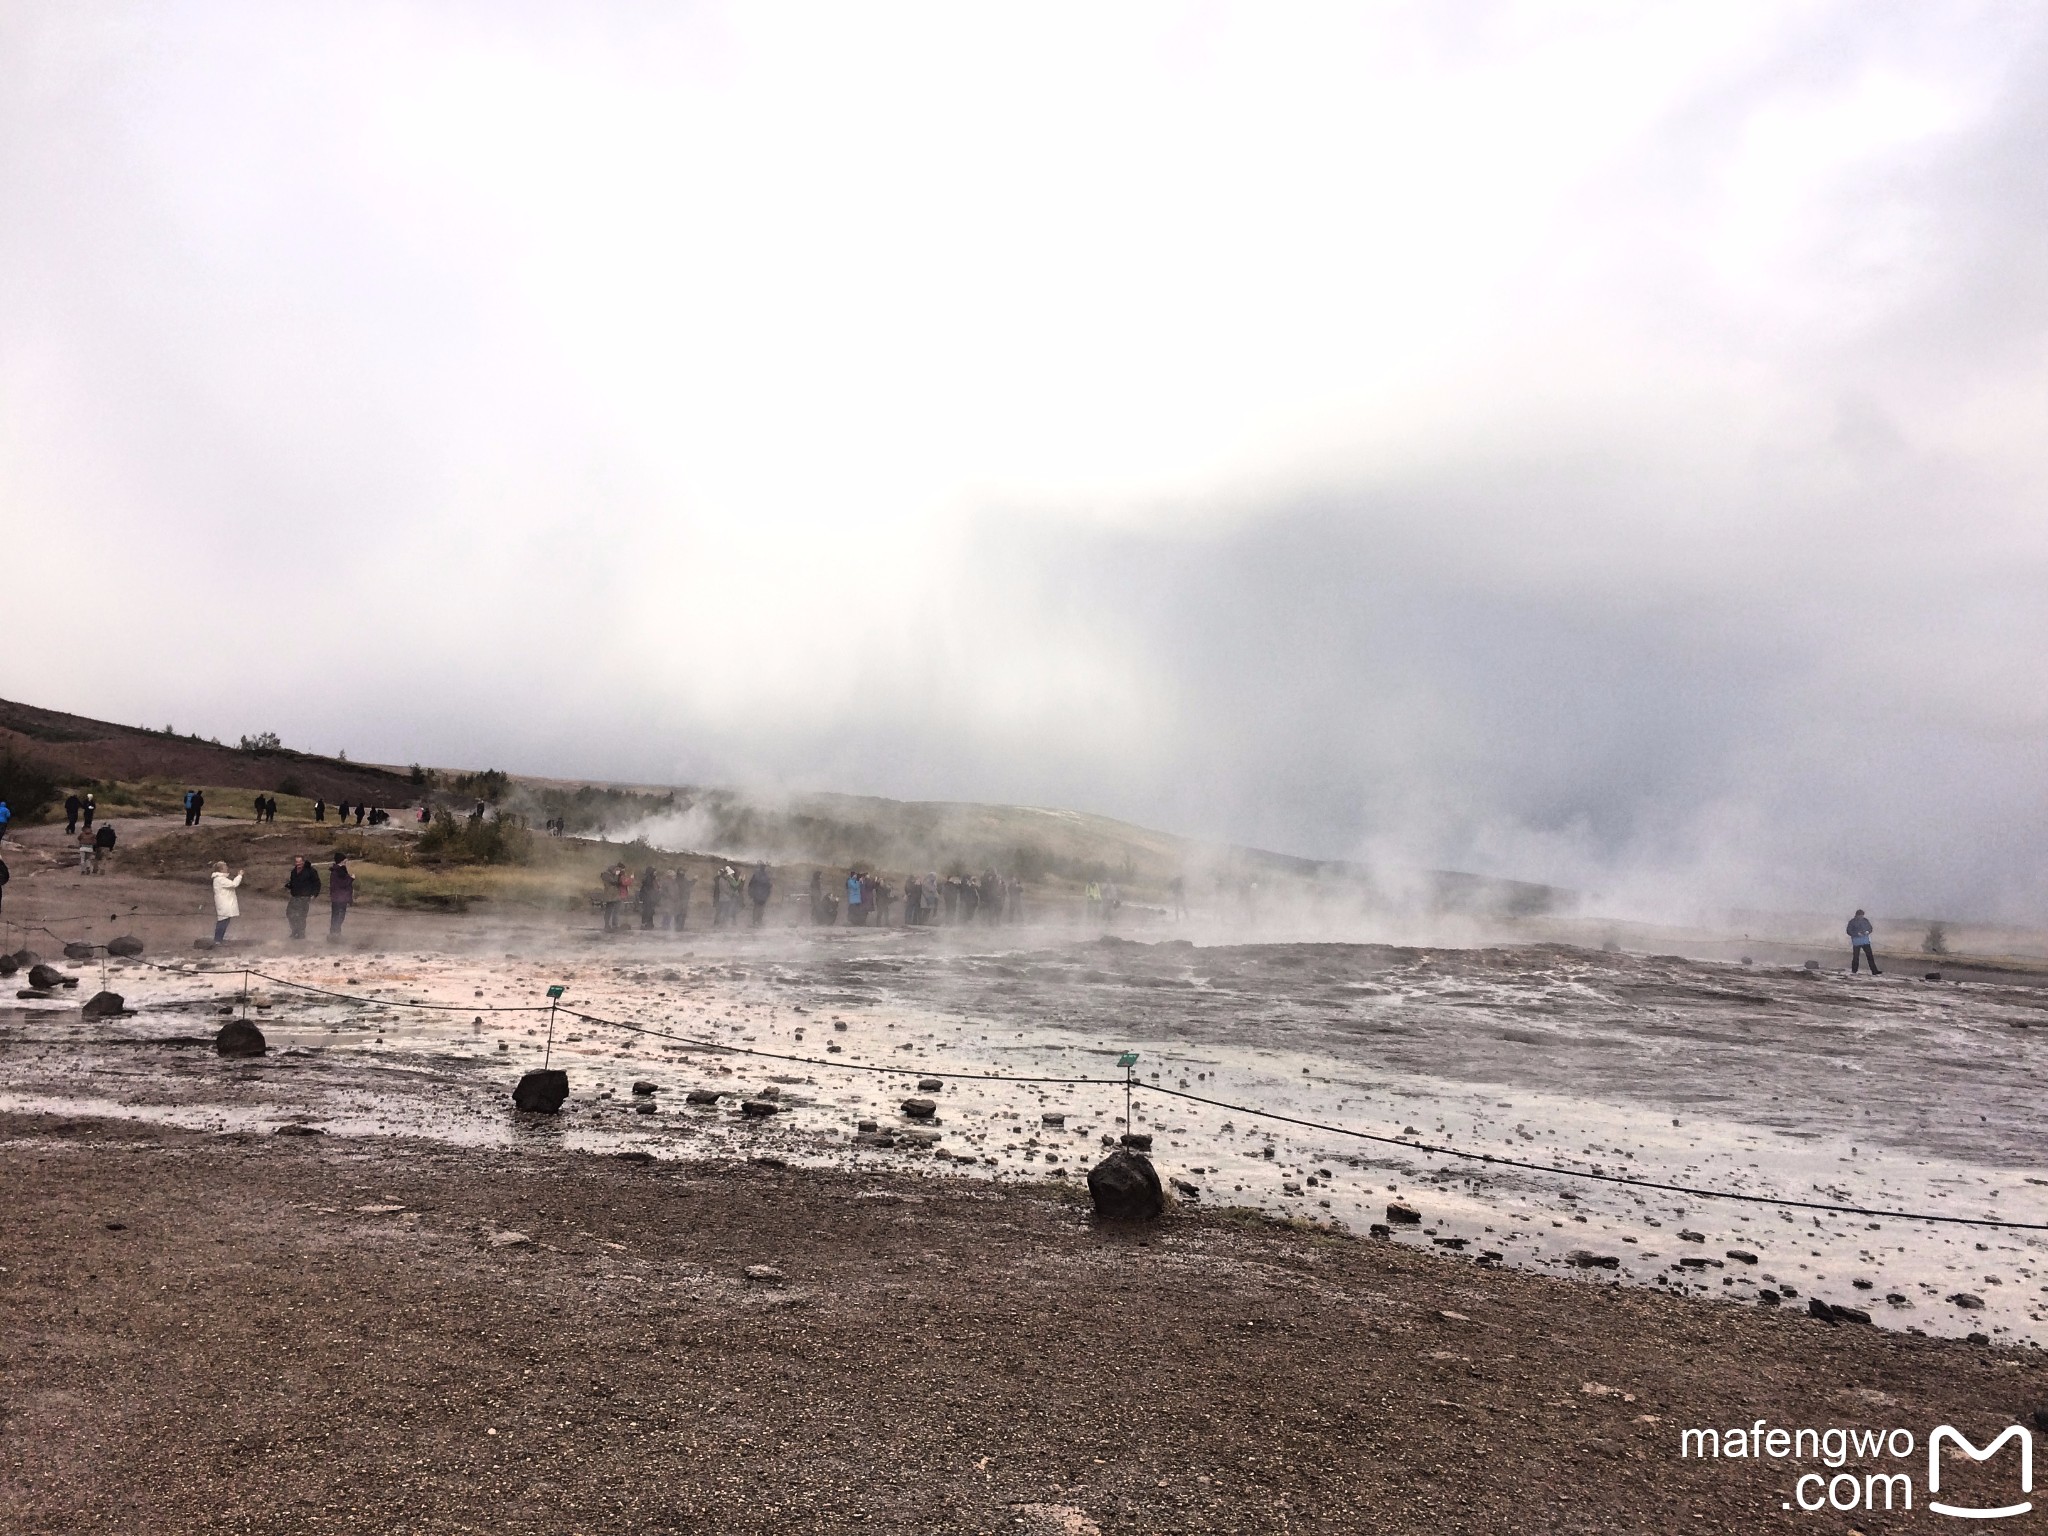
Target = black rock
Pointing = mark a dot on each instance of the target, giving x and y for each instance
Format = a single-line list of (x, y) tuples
[(1742, 1255), (1403, 1215), (102, 1005), (759, 1109), (1137, 1141), (1934, 975), (297, 1128), (1125, 1187), (238, 1037), (542, 1092), (24, 958), (1186, 1190), (1768, 1298), (126, 947), (920, 1109), (47, 976), (868, 1126), (1381, 1229), (1585, 1258), (701, 1096), (77, 951), (930, 1085), (1829, 1313), (1966, 1301), (643, 1087), (8, 965)]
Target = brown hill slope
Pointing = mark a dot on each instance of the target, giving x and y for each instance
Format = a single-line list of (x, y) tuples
[(73, 749)]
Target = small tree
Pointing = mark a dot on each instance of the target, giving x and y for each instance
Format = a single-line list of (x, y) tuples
[(262, 741), (1936, 942)]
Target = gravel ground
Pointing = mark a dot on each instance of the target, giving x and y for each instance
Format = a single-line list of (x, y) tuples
[(299, 1334)]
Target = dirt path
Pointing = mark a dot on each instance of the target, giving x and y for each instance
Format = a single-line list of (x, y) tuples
[(272, 1334)]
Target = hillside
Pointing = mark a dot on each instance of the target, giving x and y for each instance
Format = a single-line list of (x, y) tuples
[(43, 753)]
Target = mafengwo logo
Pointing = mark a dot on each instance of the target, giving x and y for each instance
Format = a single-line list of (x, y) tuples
[(1872, 1469)]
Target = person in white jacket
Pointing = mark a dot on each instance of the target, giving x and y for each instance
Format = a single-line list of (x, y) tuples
[(226, 906)]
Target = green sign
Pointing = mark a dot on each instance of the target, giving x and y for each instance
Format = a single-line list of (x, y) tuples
[(555, 992), (1128, 1059)]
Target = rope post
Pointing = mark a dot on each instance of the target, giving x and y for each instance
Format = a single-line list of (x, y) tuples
[(554, 1002), (1129, 1062), (245, 993)]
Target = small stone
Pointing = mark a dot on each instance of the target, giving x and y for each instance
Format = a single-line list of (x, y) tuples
[(1403, 1215), (1934, 975), (1742, 1255), (701, 1096), (1186, 1190), (1053, 1118), (759, 1109), (102, 1005), (1895, 1299), (920, 1109), (510, 1240), (764, 1274), (295, 1128), (643, 1088), (1692, 1237), (1380, 1229), (238, 1037), (1967, 1302), (1767, 1298), (931, 1085), (1585, 1258), (644, 1109), (1137, 1141), (542, 1092), (868, 1126)]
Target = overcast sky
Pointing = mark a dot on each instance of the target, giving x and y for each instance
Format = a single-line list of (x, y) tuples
[(1594, 443)]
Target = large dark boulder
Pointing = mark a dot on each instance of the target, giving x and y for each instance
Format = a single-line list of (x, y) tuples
[(920, 1109), (126, 947), (103, 1005), (47, 976), (9, 965), (77, 951), (24, 958), (542, 1092), (238, 1037), (1125, 1187)]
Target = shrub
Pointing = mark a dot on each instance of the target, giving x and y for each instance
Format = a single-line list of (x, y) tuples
[(461, 840), (290, 785), (262, 741), (490, 785)]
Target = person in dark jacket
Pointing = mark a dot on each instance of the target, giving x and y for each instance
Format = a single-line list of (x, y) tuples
[(1859, 944), (72, 806), (341, 894), (759, 885), (102, 845), (650, 895), (198, 805), (300, 887), (3, 879), (320, 809)]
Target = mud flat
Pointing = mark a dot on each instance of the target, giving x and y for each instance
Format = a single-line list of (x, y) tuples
[(1773, 1084), (255, 1332)]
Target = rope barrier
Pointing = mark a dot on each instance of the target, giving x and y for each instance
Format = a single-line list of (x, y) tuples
[(1427, 1148)]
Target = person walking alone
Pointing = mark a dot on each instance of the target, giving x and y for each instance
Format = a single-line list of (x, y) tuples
[(226, 905), (341, 894), (72, 806), (300, 887), (759, 886), (1859, 944)]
